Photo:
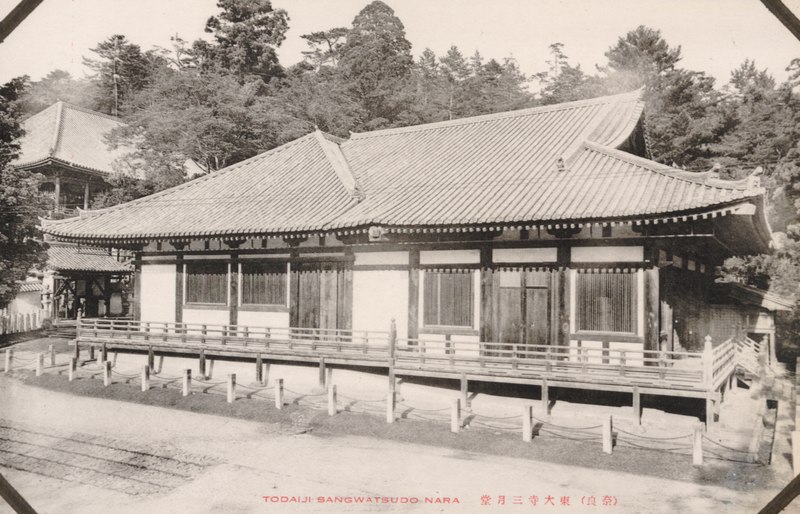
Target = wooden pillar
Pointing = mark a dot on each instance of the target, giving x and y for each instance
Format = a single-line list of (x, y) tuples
[(187, 382), (57, 190), (545, 398), (259, 369), (563, 258), (413, 294), (231, 387), (527, 423), (697, 445), (279, 393), (637, 406), (137, 287), (331, 400), (322, 372), (455, 415), (487, 294), (651, 304), (106, 373), (202, 364), (233, 302), (179, 288), (608, 442), (464, 390), (86, 196), (145, 377)]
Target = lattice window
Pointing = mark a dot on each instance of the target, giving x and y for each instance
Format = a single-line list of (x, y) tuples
[(264, 283), (207, 283), (606, 302), (448, 298)]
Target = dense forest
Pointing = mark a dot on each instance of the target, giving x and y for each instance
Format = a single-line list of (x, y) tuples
[(227, 97)]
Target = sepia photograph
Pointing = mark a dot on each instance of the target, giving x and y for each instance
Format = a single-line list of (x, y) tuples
[(399, 256)]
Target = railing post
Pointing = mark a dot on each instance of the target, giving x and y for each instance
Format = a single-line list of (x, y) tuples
[(622, 363), (187, 381), (584, 358), (231, 387), (151, 359), (321, 377), (202, 363), (259, 369), (279, 393), (527, 423), (145, 377), (390, 407), (9, 358), (464, 390), (608, 446), (391, 351), (106, 373), (331, 400), (548, 363), (545, 398), (39, 364), (637, 406), (708, 363), (77, 349), (455, 415), (662, 365), (52, 350), (73, 367), (697, 445), (104, 352)]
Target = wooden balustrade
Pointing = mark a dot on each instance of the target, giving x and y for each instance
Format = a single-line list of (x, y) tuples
[(687, 371)]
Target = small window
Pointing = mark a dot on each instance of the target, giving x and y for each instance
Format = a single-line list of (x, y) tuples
[(207, 283), (606, 302), (263, 284), (448, 298)]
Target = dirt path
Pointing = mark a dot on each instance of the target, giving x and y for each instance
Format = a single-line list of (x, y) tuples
[(86, 455)]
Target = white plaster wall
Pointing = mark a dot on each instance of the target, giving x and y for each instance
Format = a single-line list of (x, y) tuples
[(607, 253), (525, 255), (219, 316), (379, 296), (381, 258), (450, 257), (158, 292), (263, 319)]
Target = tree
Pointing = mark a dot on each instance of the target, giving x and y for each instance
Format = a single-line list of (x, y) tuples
[(58, 85), (246, 36), (564, 82), (120, 71), (376, 62), (207, 116), (326, 47), (641, 55), (309, 98), (20, 200)]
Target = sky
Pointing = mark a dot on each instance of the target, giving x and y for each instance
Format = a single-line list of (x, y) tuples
[(715, 35)]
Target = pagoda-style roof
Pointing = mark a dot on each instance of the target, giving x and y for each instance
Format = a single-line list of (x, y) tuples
[(70, 258), (70, 136), (556, 165)]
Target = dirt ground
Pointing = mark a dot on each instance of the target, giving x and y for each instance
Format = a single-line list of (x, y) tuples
[(84, 452)]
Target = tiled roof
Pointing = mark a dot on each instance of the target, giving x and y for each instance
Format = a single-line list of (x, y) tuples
[(70, 135), (31, 286), (67, 257), (292, 188), (543, 164)]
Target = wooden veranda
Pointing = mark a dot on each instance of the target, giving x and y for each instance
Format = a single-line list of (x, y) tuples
[(705, 375)]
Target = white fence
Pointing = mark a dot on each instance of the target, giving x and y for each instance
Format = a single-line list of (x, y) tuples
[(17, 322)]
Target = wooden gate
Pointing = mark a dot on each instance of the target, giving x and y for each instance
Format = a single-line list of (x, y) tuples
[(321, 296)]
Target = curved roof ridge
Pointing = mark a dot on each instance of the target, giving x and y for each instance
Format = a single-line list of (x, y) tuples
[(56, 142), (185, 185), (661, 169), (499, 115)]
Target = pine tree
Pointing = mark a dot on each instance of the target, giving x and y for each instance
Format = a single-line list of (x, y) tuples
[(376, 62), (20, 200)]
